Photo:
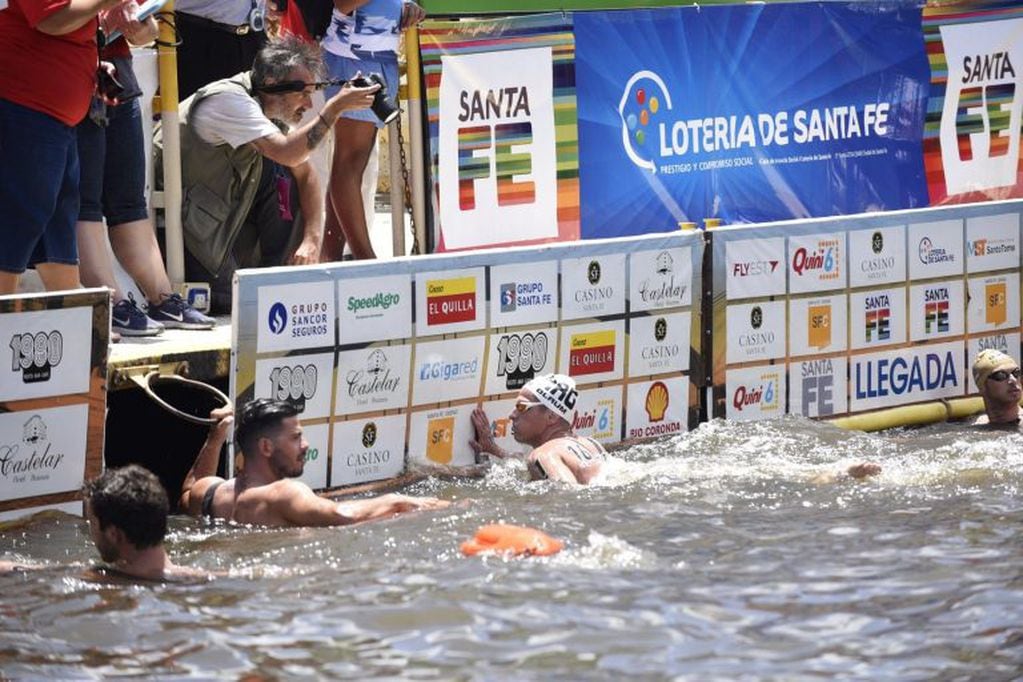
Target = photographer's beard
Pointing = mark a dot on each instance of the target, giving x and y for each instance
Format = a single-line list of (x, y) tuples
[(283, 110)]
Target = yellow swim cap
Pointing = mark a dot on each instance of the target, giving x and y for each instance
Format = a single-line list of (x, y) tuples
[(990, 360)]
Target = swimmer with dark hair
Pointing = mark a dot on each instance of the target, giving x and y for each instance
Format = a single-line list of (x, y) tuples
[(997, 377), (541, 419)]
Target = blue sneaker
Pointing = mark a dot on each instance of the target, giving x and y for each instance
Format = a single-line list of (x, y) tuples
[(127, 319), (175, 313)]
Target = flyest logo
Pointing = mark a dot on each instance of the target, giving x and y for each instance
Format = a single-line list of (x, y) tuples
[(450, 300), (31, 460), (591, 353), (304, 319)]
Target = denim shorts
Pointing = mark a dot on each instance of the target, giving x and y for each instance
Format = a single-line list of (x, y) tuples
[(344, 67), (113, 161), (38, 189)]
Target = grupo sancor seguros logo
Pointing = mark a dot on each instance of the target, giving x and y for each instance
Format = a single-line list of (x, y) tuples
[(645, 94), (277, 319)]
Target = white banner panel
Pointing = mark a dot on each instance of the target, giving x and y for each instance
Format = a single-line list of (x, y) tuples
[(907, 375), (47, 354), (817, 325), (592, 287), (295, 316), (755, 393), (660, 279), (304, 380), (755, 331), (314, 473), (877, 318), (371, 379), (447, 370), (368, 450), (475, 188), (935, 249), (755, 267), (42, 451), (992, 242), (657, 408), (877, 256), (449, 301), (936, 310), (516, 357), (817, 262), (442, 436), (375, 308), (819, 387), (1007, 343), (523, 293), (993, 303), (598, 414), (593, 352), (659, 344)]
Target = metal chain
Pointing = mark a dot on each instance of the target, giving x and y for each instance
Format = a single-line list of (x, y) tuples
[(408, 189)]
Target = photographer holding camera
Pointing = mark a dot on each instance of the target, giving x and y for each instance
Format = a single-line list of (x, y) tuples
[(239, 156)]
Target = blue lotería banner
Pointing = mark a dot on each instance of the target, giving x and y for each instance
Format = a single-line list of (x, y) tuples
[(748, 113)]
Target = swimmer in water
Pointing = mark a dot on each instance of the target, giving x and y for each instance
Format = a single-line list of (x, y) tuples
[(997, 377), (541, 419), (266, 491)]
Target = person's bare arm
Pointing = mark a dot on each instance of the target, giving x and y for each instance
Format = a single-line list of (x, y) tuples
[(293, 148), (75, 15), (300, 506), (484, 442), (205, 466), (411, 14), (310, 198), (549, 461)]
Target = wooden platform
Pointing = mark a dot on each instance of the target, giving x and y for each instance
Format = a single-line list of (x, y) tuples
[(204, 355)]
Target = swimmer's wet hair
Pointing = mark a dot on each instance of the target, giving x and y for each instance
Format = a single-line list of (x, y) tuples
[(132, 499), (258, 419)]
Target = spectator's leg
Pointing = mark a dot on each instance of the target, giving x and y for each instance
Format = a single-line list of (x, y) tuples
[(333, 236), (56, 253), (353, 142), (137, 251), (96, 268)]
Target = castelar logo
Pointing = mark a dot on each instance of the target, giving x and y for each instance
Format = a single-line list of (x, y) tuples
[(994, 303), (520, 357), (33, 459), (592, 353), (369, 434), (440, 439), (936, 310), (450, 300), (656, 403), (663, 289), (878, 318), (35, 355), (375, 382)]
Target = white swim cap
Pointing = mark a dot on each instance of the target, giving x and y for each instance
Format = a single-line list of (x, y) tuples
[(557, 392)]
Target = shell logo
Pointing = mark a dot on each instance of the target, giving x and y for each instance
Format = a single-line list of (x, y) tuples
[(656, 404)]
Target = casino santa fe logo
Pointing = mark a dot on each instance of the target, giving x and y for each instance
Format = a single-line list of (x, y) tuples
[(592, 353), (450, 300)]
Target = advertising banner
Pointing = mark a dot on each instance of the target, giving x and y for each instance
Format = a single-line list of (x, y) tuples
[(748, 113)]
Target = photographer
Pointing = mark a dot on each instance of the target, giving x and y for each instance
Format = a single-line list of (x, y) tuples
[(48, 61), (238, 160)]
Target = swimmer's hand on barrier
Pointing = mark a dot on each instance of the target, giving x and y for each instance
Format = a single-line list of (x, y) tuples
[(484, 442)]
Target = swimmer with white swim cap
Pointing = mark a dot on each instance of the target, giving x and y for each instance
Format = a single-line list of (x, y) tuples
[(542, 418), (997, 377)]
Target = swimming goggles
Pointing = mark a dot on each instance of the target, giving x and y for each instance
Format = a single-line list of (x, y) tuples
[(1000, 375), (524, 405)]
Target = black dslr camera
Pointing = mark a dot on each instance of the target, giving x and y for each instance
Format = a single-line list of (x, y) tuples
[(383, 106)]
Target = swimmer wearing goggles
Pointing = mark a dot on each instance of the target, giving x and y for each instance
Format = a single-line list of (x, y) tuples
[(997, 376)]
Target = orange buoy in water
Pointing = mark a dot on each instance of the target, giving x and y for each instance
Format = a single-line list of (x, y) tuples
[(500, 538)]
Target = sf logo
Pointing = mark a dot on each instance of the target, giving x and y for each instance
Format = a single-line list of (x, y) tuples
[(983, 114), (493, 151)]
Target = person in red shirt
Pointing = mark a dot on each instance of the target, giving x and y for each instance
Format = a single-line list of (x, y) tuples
[(48, 59)]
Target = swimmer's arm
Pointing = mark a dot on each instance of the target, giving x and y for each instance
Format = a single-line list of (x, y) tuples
[(306, 508), (205, 465), (857, 471), (552, 463), (484, 442)]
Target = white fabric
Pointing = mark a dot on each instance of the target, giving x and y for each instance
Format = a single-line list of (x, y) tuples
[(231, 12), (232, 118), (557, 392)]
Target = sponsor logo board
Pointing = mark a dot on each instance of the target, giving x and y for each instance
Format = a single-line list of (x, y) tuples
[(660, 279), (45, 356), (368, 450), (516, 357), (523, 293), (303, 380), (593, 286), (992, 242), (295, 316), (659, 343), (818, 387), (755, 267), (441, 437), (657, 408), (1008, 343), (993, 303), (755, 331), (818, 325), (877, 317), (877, 256), (314, 472), (449, 301), (936, 310), (593, 352), (374, 308), (935, 249), (755, 393), (906, 375), (816, 262), (372, 379), (447, 370), (598, 414), (42, 451)]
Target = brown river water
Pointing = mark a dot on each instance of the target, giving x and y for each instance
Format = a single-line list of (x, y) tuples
[(708, 556)]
